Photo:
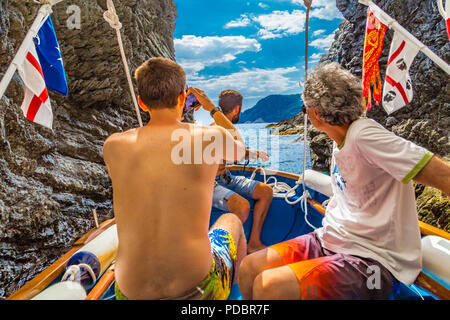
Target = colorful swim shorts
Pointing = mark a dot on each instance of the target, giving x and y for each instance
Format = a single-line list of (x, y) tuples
[(217, 284), (324, 275)]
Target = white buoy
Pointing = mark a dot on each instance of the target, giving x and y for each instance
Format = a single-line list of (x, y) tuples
[(319, 182), (91, 260), (66, 290), (436, 257)]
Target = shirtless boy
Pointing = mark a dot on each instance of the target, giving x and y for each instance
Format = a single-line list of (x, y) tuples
[(162, 206)]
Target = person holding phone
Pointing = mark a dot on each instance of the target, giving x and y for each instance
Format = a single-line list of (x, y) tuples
[(230, 192), (162, 207)]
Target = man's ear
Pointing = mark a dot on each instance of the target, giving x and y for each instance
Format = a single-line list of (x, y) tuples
[(315, 114), (182, 98), (236, 110), (142, 104)]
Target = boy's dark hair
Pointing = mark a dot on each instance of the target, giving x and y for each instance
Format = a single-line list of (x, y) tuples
[(229, 99), (160, 82)]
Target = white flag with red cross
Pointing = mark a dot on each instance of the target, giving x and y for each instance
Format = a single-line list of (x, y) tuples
[(36, 103)]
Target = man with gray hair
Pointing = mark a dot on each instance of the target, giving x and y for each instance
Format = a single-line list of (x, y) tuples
[(370, 230)]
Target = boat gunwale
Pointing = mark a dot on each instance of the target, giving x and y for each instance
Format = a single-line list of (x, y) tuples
[(48, 275)]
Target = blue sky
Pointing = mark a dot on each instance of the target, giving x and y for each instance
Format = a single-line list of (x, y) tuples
[(256, 46)]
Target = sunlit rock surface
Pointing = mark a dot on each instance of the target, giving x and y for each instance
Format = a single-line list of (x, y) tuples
[(51, 180)]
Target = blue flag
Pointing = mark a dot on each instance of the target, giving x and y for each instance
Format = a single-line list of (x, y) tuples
[(50, 58)]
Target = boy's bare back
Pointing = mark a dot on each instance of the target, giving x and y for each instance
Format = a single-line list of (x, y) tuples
[(162, 211)]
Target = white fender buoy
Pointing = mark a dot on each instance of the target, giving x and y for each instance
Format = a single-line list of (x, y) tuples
[(436, 257), (319, 182), (88, 263), (66, 290)]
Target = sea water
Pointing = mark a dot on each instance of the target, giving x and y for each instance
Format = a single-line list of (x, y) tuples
[(286, 152)]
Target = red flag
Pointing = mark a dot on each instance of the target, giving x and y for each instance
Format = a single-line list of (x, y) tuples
[(373, 46), (447, 23)]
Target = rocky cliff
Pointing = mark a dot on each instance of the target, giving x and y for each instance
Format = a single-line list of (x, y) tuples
[(51, 180)]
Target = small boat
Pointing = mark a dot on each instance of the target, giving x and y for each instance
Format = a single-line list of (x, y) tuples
[(284, 221)]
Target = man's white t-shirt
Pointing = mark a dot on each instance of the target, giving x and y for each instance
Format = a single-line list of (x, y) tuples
[(372, 213)]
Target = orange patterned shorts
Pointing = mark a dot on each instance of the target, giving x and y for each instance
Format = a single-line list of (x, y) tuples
[(323, 274)]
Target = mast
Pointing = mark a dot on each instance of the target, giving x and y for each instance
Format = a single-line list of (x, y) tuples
[(307, 4)]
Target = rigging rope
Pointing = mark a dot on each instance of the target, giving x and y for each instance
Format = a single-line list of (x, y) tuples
[(283, 190), (74, 270), (111, 17)]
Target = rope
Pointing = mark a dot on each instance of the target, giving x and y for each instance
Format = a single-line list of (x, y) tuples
[(441, 9), (282, 189), (74, 270), (414, 287), (111, 17)]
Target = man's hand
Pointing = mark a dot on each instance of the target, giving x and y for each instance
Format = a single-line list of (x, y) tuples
[(201, 96), (256, 154)]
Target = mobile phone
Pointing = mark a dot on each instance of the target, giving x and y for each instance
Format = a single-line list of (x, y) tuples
[(190, 104)]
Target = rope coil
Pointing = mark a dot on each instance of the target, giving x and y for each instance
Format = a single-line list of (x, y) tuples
[(75, 270), (111, 16)]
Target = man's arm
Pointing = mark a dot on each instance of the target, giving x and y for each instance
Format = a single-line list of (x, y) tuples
[(218, 117), (436, 173), (233, 150)]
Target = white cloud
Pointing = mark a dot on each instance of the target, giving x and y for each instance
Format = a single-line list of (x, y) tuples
[(250, 82), (243, 21), (318, 32), (263, 5), (315, 57), (281, 23), (323, 43), (195, 53), (322, 9), (265, 34)]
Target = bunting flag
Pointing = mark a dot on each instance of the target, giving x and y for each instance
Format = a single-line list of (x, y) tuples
[(397, 91), (36, 103), (42, 68), (447, 23), (373, 46), (47, 48)]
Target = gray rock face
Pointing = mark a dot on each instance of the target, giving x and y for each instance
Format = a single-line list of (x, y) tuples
[(51, 180)]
